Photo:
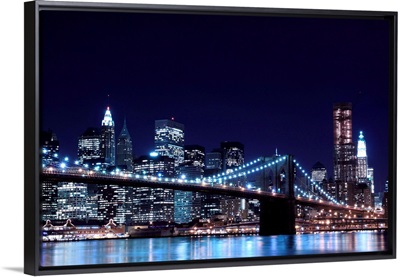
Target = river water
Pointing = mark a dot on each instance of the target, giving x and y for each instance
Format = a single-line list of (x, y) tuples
[(212, 247)]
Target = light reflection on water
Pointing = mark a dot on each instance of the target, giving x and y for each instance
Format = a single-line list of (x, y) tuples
[(196, 248)]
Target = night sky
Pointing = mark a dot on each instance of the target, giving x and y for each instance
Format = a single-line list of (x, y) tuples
[(267, 82)]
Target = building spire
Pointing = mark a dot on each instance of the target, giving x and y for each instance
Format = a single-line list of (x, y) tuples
[(107, 121), (124, 131), (361, 146)]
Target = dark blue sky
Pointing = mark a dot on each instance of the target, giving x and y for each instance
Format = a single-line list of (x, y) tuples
[(268, 82)]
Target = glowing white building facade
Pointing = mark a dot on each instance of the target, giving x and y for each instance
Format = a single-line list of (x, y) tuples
[(362, 161), (108, 138), (318, 173)]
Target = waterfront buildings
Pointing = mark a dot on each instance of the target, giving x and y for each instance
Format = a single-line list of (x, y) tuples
[(50, 148), (153, 204), (111, 203), (229, 156), (71, 201), (187, 205), (48, 200)]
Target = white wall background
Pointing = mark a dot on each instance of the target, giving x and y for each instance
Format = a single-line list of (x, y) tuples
[(11, 153)]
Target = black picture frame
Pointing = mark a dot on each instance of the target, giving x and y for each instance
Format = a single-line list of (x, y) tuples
[(32, 123)]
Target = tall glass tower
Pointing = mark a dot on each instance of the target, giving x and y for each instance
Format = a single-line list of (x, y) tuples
[(124, 149), (344, 158), (108, 138)]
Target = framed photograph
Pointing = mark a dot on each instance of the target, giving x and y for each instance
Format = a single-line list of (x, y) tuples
[(169, 137)]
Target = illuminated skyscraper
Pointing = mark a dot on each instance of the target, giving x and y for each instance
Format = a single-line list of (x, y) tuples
[(318, 173), (187, 205), (124, 149), (48, 200), (89, 144), (364, 188), (108, 138), (71, 201), (49, 190), (210, 203), (362, 162), (153, 204), (344, 161), (370, 176), (111, 203), (169, 139)]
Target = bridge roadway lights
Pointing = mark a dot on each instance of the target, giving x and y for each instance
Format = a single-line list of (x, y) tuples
[(277, 217)]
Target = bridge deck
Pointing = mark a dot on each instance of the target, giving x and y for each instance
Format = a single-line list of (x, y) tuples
[(129, 180)]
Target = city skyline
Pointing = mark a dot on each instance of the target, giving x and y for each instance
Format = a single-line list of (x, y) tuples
[(278, 95), (108, 113)]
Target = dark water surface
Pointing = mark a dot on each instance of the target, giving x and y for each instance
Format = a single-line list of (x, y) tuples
[(213, 247)]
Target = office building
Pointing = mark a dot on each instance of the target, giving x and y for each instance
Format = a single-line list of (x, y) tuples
[(344, 162), (111, 203), (108, 138), (71, 201), (213, 162), (362, 161), (224, 159), (370, 176), (48, 200), (169, 139), (318, 173), (124, 149), (89, 147), (187, 204), (153, 204)]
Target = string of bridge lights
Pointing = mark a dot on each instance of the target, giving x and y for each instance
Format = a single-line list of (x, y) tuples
[(315, 184), (242, 170), (221, 178)]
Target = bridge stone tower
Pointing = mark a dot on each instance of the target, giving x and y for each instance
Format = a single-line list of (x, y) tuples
[(277, 215)]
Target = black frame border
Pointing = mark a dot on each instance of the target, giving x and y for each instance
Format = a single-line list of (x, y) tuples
[(32, 124)]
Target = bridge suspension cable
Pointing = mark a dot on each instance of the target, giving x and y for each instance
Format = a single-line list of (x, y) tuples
[(321, 190)]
